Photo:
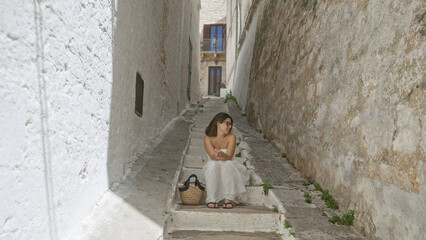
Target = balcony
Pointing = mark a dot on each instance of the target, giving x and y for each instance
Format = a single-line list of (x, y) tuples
[(213, 45)]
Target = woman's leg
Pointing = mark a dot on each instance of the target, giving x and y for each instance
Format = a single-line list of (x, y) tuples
[(212, 178)]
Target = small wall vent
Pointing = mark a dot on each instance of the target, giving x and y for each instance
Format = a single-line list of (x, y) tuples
[(139, 95)]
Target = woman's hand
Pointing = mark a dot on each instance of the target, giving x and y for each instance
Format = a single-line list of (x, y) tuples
[(217, 154), (221, 155)]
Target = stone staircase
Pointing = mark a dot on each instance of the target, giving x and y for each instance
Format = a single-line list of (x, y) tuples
[(255, 219)]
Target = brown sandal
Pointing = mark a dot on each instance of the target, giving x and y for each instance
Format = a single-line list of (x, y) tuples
[(214, 205), (227, 204)]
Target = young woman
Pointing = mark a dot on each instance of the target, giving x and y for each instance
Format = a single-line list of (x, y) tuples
[(225, 178)]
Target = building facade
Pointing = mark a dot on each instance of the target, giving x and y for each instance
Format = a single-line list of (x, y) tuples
[(213, 47)]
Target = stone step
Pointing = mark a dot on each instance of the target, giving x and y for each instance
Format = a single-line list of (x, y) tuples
[(212, 113), (197, 135), (198, 129), (211, 235), (196, 150), (191, 161), (215, 104), (202, 123), (196, 142), (186, 172), (242, 218)]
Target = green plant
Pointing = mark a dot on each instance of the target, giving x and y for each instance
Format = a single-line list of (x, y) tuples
[(318, 187), (329, 200), (292, 234), (266, 186), (334, 219), (163, 169), (264, 136), (274, 208), (259, 130), (305, 183), (238, 143), (331, 203), (251, 180), (348, 218), (229, 96), (238, 155), (308, 198), (243, 114), (324, 214), (201, 105), (287, 224), (325, 194)]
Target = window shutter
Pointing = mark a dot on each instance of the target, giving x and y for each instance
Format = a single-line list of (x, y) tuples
[(206, 31)]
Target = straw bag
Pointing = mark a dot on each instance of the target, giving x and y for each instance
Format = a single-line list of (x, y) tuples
[(191, 195)]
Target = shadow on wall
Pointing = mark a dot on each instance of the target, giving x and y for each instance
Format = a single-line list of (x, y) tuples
[(44, 114), (125, 138), (154, 53)]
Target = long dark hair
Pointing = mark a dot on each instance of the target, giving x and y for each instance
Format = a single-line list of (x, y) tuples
[(211, 129)]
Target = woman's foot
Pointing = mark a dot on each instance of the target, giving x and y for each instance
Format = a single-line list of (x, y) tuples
[(228, 205), (212, 205)]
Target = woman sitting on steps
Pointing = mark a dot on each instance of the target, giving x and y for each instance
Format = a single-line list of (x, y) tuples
[(225, 178)]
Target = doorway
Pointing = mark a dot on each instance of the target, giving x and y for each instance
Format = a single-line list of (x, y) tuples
[(215, 79)]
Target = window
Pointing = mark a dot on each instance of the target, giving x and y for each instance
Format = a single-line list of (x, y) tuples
[(214, 37)]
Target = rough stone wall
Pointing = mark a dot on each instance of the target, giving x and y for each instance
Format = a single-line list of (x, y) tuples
[(212, 11), (67, 93), (340, 87)]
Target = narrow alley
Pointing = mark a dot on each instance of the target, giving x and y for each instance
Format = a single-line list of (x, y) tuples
[(151, 189), (105, 106)]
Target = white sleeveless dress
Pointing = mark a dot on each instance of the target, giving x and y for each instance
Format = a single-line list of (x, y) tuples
[(225, 179)]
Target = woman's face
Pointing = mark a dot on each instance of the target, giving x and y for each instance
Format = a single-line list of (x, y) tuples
[(225, 126)]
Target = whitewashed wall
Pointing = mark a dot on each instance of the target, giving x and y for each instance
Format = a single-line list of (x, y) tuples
[(55, 93), (242, 66), (67, 101), (236, 18), (152, 38)]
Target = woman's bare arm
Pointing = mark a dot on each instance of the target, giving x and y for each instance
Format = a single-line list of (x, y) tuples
[(210, 149), (231, 148)]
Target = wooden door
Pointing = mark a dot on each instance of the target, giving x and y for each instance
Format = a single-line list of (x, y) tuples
[(215, 79)]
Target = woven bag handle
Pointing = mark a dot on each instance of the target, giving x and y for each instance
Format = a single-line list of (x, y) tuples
[(186, 184)]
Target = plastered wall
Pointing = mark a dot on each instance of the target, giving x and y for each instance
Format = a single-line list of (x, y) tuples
[(67, 95)]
